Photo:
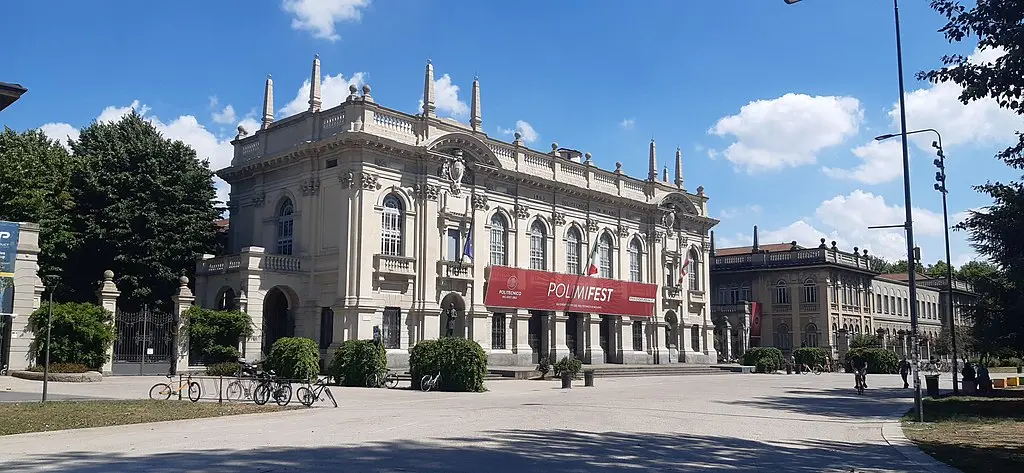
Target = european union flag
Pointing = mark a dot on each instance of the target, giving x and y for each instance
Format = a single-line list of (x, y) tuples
[(467, 249)]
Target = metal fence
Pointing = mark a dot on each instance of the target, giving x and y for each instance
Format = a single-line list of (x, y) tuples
[(144, 343)]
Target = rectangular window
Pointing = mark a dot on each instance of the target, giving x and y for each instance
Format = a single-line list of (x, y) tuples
[(391, 331), (453, 243), (810, 293), (326, 327), (906, 307), (878, 303), (671, 275), (638, 335), (693, 275), (782, 294), (745, 293), (604, 251), (538, 253), (634, 266), (846, 293), (498, 331), (499, 254), (835, 293), (332, 163), (695, 338)]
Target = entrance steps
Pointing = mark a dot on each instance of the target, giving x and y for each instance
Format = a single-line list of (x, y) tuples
[(619, 371)]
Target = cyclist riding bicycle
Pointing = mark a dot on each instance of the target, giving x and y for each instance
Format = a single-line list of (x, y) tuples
[(860, 370)]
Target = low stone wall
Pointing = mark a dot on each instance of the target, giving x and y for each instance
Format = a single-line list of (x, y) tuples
[(87, 377)]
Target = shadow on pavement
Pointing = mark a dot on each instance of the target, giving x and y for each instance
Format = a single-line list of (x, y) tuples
[(504, 451), (840, 402)]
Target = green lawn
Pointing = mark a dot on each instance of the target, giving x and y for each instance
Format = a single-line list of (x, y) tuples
[(19, 418), (974, 434), (1002, 370)]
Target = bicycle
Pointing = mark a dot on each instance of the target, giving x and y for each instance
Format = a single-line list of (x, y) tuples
[(163, 391), (387, 379), (311, 393), (244, 386), (3, 370), (859, 376), (269, 386), (430, 382)]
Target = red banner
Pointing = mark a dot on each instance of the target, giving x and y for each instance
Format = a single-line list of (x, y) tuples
[(755, 320), (542, 290)]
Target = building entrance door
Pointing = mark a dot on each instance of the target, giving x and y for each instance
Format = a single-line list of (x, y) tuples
[(536, 336), (573, 339)]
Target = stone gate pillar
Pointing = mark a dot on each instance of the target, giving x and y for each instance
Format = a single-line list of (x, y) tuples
[(107, 296), (182, 301), (843, 340)]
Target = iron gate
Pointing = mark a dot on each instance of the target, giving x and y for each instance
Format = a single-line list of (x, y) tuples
[(145, 342)]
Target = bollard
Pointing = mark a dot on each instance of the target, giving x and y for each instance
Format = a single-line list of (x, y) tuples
[(588, 378)]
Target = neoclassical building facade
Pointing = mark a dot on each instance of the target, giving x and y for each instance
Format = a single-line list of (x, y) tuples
[(360, 221)]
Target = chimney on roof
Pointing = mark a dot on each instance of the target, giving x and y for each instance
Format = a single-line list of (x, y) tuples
[(754, 248)]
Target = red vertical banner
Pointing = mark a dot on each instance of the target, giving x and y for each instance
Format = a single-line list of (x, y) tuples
[(755, 320)]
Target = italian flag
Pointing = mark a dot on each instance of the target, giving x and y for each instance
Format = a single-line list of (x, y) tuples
[(683, 270), (592, 269)]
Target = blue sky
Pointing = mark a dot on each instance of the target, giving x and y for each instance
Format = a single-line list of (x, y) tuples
[(774, 106)]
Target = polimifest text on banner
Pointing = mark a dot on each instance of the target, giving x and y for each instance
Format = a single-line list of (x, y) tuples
[(542, 290)]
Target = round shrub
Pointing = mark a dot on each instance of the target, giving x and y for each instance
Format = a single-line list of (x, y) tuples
[(227, 368), (214, 334), (765, 365), (755, 354), (811, 356), (568, 364), (880, 360), (356, 360), (462, 363), (295, 358), (80, 333)]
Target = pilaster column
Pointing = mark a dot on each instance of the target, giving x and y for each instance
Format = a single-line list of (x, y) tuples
[(727, 346), (521, 333), (182, 301), (594, 352), (661, 355), (685, 344), (709, 347), (107, 296), (559, 348), (624, 349), (480, 328)]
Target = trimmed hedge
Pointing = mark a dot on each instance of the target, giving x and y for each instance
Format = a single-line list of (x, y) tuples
[(80, 333), (214, 334), (880, 360), (295, 358), (227, 368), (462, 363), (764, 359), (356, 360), (62, 368), (811, 356)]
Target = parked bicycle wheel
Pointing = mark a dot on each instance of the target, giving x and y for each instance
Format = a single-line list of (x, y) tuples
[(194, 391), (373, 380), (261, 394), (818, 369), (305, 396), (391, 380), (426, 383), (283, 395), (160, 392), (234, 391), (330, 396)]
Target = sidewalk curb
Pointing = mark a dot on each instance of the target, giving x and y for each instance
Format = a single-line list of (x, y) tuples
[(892, 432)]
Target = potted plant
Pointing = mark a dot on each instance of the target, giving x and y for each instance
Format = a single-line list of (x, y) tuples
[(567, 368), (544, 367)]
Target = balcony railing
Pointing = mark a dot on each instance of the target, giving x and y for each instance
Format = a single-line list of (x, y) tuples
[(801, 257), (809, 307), (739, 307), (249, 260), (674, 293), (697, 297), (282, 263), (389, 264), (454, 270), (782, 308)]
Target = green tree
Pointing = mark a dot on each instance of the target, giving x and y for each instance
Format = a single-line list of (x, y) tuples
[(143, 207), (975, 271), (938, 270), (900, 266), (34, 180), (995, 230), (879, 265)]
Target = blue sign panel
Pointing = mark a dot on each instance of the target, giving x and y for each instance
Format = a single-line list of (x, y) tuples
[(8, 254)]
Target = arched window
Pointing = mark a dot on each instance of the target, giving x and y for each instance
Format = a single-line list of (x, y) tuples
[(572, 251), (781, 293), (226, 299), (499, 240), (635, 263), (810, 294), (285, 227), (783, 337), (745, 291), (811, 335), (604, 256), (391, 226), (538, 246), (694, 271)]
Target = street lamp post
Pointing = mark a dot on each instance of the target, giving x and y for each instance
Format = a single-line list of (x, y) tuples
[(909, 223), (940, 186)]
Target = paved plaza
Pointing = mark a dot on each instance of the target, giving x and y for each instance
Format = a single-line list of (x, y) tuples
[(757, 423)]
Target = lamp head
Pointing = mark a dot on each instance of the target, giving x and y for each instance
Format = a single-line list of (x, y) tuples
[(935, 144), (884, 137), (790, 2), (937, 163)]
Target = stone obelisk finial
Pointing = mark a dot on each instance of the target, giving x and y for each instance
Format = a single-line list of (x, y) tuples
[(474, 116), (652, 165), (314, 86), (679, 168), (268, 103), (428, 91)]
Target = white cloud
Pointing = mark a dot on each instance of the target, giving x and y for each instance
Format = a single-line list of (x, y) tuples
[(226, 116), (846, 218), (733, 212), (320, 16), (185, 128), (62, 132), (627, 124), (938, 106), (524, 129), (881, 161), (333, 91), (787, 131), (446, 98)]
